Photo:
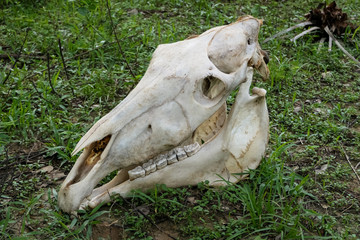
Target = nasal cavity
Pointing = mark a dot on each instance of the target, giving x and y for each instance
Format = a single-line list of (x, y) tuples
[(94, 155), (212, 87), (265, 56)]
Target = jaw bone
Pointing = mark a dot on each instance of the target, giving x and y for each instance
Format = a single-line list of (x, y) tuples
[(173, 127)]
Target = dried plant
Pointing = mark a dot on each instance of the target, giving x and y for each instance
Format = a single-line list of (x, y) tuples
[(329, 20)]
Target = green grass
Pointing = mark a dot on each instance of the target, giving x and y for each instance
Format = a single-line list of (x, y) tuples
[(313, 100)]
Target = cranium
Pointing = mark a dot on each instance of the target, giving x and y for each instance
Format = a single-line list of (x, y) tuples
[(173, 128)]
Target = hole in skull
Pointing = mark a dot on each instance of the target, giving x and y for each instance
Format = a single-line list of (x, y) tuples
[(212, 87), (98, 148), (93, 157), (265, 56), (249, 41)]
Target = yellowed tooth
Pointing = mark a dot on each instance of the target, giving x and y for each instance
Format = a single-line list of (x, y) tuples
[(136, 173)]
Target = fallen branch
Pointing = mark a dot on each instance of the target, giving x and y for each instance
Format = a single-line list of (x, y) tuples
[(14, 55), (16, 60), (145, 216), (88, 51), (357, 165), (32, 82), (348, 160), (117, 40), (49, 76), (64, 64)]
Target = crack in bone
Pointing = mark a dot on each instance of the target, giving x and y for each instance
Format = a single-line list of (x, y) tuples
[(161, 161)]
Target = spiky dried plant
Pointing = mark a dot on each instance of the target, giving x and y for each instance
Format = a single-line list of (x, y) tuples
[(329, 20)]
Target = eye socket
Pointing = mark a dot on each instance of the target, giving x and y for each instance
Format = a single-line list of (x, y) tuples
[(212, 87)]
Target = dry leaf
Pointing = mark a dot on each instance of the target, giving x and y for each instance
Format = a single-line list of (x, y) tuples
[(46, 169), (321, 170)]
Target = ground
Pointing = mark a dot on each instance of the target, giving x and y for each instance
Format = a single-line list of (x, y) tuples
[(62, 69)]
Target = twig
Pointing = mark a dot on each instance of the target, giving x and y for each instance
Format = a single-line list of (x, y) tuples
[(49, 78), (149, 219), (32, 82), (16, 59), (31, 55), (303, 24), (357, 165), (322, 40), (62, 59), (304, 33), (348, 160), (20, 159), (117, 40), (327, 30), (69, 59), (88, 51)]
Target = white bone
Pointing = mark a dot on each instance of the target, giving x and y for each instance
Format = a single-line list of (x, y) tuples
[(173, 127)]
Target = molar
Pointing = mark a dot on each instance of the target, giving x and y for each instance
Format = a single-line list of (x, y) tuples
[(171, 157), (136, 173), (161, 162), (192, 149), (149, 167), (180, 153)]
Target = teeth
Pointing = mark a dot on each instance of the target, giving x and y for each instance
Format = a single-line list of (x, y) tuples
[(171, 157), (149, 167), (192, 149), (180, 153), (136, 173), (161, 162)]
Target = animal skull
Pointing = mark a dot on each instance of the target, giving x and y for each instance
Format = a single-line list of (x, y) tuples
[(173, 128)]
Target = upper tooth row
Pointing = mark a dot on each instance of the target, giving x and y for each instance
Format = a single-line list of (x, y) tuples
[(161, 161)]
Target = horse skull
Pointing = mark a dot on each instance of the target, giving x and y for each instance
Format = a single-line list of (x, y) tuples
[(173, 128)]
